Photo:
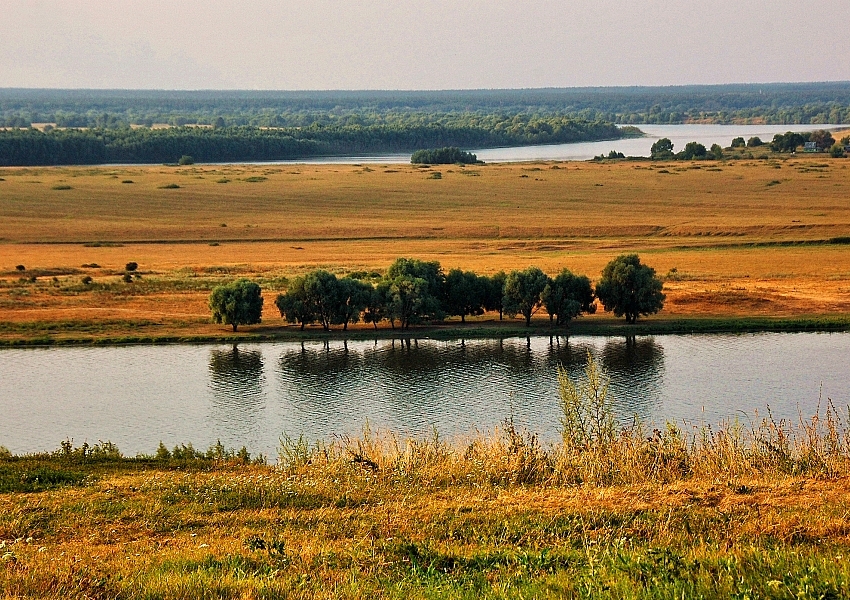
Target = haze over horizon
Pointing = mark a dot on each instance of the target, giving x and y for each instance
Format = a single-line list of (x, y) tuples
[(374, 45)]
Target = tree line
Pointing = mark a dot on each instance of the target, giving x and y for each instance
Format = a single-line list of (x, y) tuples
[(23, 147), (780, 103), (414, 291), (782, 142)]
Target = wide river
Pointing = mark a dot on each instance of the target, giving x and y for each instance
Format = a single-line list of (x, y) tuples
[(678, 134), (250, 394)]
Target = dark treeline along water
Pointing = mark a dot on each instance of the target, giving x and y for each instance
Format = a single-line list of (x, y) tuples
[(250, 394), (264, 126), (24, 147)]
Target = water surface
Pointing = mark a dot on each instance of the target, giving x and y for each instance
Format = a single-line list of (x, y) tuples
[(678, 134), (250, 394)]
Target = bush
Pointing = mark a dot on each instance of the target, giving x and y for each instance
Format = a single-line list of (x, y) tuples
[(20, 268), (186, 160), (738, 142), (131, 266), (837, 151), (443, 156), (754, 142)]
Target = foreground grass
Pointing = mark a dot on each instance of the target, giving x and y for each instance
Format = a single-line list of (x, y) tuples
[(758, 513)]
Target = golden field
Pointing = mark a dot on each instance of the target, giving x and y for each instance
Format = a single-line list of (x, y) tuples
[(733, 238)]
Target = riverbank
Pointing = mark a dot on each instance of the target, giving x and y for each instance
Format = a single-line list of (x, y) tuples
[(129, 332), (634, 517)]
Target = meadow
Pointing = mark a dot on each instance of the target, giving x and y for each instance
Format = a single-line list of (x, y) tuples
[(741, 510), (752, 238), (734, 512)]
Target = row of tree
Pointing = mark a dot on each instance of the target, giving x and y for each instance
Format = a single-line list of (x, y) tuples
[(21, 147), (414, 291), (796, 103), (663, 150), (782, 142), (791, 141)]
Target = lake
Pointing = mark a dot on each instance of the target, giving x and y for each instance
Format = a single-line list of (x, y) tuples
[(678, 134), (250, 394)]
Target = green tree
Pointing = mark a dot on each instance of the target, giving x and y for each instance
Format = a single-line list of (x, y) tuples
[(822, 138), (738, 142), (754, 142), (408, 300), (567, 296), (295, 305), (662, 149), (717, 151), (629, 288), (787, 142), (375, 310), (352, 296), (692, 150), (465, 293), (837, 151), (186, 160), (494, 297), (236, 303), (523, 290), (323, 293), (417, 300), (443, 156)]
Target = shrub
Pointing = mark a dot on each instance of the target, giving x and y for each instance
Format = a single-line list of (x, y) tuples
[(131, 266), (443, 156), (754, 142), (20, 268), (836, 151), (86, 280), (186, 160)]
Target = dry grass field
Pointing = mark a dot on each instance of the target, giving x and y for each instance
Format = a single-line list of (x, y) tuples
[(713, 513), (733, 238)]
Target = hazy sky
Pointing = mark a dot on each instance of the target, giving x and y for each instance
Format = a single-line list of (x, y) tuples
[(422, 44)]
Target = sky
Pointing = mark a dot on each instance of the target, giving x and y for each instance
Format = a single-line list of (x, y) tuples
[(427, 44)]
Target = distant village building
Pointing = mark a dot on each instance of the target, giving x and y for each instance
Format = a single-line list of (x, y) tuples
[(810, 147)]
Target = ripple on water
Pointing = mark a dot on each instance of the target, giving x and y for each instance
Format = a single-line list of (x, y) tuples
[(251, 393)]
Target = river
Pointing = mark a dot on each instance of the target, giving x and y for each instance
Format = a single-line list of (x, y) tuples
[(250, 394), (678, 134)]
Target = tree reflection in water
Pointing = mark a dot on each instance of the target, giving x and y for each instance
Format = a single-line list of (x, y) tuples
[(237, 382), (457, 385)]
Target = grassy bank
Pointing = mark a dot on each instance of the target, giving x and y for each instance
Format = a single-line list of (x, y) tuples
[(75, 333), (734, 512)]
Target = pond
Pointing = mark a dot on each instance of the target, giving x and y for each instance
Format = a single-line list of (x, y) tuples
[(250, 394)]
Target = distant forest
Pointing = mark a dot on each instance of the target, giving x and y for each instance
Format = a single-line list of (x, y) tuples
[(105, 126), (799, 103)]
